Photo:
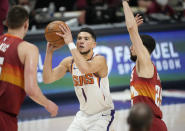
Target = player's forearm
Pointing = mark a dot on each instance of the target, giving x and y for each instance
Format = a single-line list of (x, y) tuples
[(132, 28), (47, 69), (31, 87), (129, 17), (37, 96)]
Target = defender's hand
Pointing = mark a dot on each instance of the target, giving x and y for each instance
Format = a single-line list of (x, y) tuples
[(139, 19)]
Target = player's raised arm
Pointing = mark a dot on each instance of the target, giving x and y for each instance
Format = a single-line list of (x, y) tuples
[(50, 75), (96, 65), (143, 55)]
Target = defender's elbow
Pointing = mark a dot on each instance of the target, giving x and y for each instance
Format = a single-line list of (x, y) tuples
[(131, 26)]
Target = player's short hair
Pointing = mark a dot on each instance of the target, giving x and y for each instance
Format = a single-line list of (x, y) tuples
[(148, 42), (140, 117), (89, 30), (17, 15)]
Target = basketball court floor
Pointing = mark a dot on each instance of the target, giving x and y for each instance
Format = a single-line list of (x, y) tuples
[(37, 119)]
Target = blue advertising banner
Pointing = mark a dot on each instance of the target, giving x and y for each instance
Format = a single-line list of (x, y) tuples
[(169, 58)]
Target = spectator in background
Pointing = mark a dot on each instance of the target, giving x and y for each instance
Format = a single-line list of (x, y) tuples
[(80, 4), (175, 3), (140, 117), (68, 4), (29, 5), (140, 3), (133, 3), (83, 4), (26, 4), (3, 12), (97, 11), (144, 3), (160, 6)]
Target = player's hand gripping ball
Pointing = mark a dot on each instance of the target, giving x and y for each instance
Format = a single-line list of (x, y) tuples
[(50, 33)]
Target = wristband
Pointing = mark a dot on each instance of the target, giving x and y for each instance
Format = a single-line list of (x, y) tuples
[(71, 46)]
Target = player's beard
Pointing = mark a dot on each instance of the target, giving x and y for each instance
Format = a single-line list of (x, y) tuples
[(85, 53), (133, 58)]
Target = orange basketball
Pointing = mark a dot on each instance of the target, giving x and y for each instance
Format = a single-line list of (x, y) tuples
[(50, 33)]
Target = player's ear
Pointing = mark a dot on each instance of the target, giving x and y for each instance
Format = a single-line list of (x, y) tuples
[(26, 24)]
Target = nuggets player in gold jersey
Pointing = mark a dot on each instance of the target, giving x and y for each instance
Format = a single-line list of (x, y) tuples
[(18, 70), (145, 83)]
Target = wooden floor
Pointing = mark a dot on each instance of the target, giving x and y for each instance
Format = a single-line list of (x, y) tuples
[(173, 115)]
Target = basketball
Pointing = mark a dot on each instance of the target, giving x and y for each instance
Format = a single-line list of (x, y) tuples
[(50, 33)]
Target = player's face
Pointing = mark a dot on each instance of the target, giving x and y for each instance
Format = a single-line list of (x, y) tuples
[(85, 42), (133, 56)]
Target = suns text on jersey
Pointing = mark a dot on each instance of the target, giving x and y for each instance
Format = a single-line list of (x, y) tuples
[(83, 79)]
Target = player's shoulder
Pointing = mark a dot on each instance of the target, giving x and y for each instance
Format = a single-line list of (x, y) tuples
[(26, 43), (67, 61), (99, 57), (29, 46), (26, 48)]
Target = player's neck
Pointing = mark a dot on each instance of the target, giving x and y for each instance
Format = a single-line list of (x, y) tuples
[(88, 56), (18, 32)]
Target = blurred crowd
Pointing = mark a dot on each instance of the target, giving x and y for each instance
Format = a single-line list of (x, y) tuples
[(95, 11)]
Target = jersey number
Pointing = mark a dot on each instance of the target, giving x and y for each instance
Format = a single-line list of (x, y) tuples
[(1, 63), (83, 80), (133, 93), (158, 94)]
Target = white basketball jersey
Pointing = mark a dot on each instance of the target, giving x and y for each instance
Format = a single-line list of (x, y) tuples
[(92, 91)]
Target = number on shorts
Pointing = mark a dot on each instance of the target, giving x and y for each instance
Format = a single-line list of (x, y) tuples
[(158, 95), (1, 63)]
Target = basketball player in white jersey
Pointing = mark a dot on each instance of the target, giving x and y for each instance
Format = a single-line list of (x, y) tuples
[(90, 78)]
